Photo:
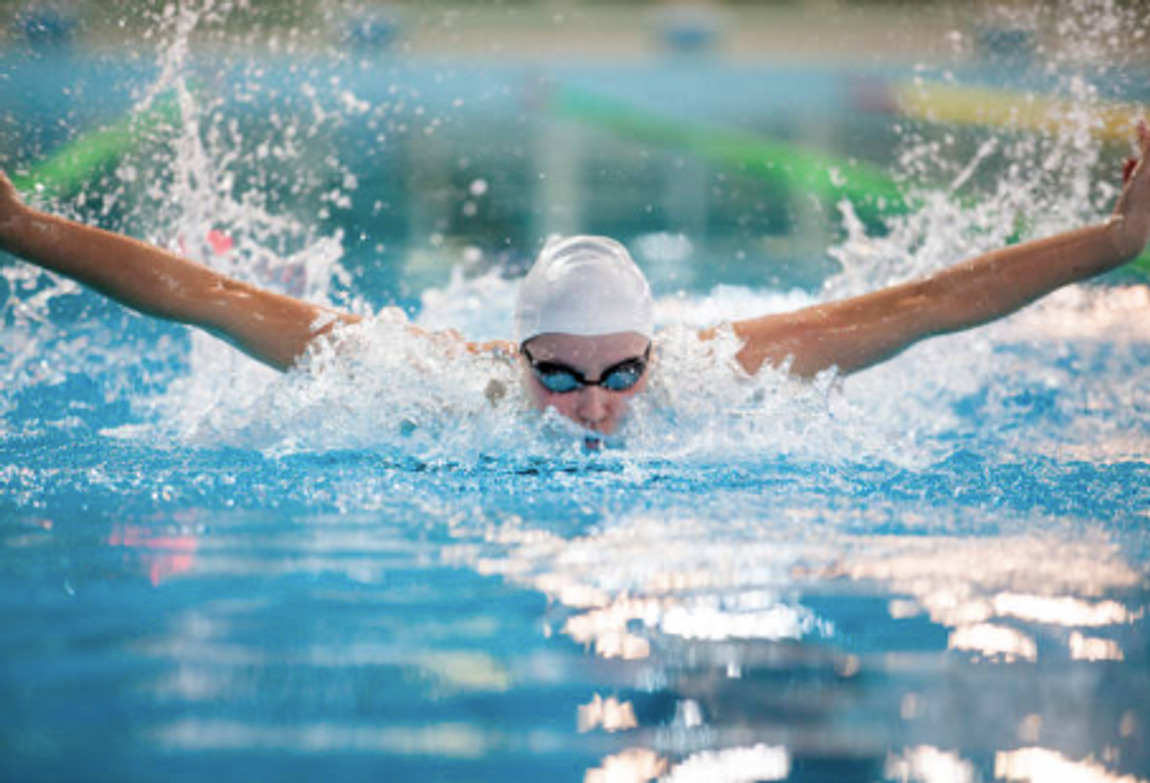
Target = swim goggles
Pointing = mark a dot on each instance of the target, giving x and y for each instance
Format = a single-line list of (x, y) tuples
[(561, 379)]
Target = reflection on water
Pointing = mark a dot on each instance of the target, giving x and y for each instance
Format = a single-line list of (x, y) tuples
[(164, 556), (1038, 765), (608, 714), (1088, 648), (813, 639), (929, 765), (718, 608), (734, 765), (974, 585), (670, 576), (448, 741), (755, 763), (697, 580), (633, 764)]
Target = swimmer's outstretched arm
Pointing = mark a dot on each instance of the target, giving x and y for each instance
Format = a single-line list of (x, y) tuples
[(273, 328), (856, 333)]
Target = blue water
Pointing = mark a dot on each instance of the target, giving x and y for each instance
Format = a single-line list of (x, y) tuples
[(938, 570)]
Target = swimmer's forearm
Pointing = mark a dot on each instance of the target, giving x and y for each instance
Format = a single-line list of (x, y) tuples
[(857, 333), (272, 328), (135, 274), (999, 283)]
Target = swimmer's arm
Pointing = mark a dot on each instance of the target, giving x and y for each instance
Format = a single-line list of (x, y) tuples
[(270, 327), (857, 333)]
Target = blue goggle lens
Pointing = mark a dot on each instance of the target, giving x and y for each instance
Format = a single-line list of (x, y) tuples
[(622, 378), (558, 381)]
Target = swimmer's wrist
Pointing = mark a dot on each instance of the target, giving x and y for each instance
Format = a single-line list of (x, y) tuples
[(1121, 238)]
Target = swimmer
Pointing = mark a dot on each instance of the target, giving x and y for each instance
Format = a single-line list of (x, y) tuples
[(584, 325)]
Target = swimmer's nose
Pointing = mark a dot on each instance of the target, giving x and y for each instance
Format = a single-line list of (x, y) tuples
[(592, 405)]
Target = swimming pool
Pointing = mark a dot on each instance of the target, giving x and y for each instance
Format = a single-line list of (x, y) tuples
[(935, 571)]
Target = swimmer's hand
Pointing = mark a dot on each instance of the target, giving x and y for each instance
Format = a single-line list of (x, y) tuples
[(1132, 212)]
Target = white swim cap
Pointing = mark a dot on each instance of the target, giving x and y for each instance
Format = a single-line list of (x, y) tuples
[(587, 286)]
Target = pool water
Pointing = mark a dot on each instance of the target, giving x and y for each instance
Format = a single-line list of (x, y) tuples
[(937, 570)]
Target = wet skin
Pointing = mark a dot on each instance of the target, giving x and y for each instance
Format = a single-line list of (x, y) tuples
[(593, 407)]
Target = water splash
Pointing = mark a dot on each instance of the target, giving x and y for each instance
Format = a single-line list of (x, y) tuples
[(373, 385)]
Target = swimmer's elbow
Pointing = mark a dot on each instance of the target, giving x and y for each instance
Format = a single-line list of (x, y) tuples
[(273, 329), (926, 308)]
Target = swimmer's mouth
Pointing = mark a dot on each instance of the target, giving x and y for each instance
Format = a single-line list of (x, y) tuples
[(597, 443)]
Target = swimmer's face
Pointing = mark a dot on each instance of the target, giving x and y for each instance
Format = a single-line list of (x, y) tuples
[(594, 407)]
